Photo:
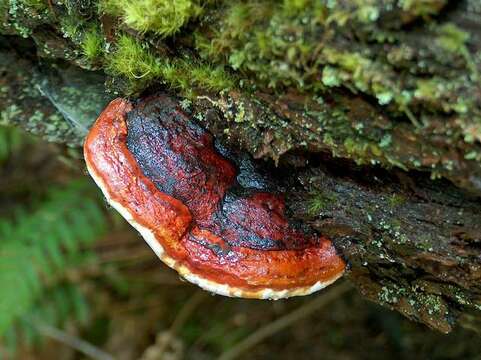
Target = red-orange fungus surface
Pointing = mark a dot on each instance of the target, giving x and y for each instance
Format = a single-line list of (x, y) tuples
[(162, 172)]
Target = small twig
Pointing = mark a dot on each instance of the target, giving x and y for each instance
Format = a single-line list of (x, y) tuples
[(284, 322), (72, 341), (411, 117), (187, 310), (181, 318)]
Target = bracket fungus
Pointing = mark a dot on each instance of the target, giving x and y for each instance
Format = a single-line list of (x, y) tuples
[(163, 174)]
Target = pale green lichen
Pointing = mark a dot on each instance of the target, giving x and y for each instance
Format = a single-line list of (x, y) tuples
[(391, 294)]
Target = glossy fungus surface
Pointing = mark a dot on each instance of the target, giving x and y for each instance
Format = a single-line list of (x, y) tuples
[(162, 172)]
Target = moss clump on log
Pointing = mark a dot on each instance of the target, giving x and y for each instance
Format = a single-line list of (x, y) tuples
[(161, 17)]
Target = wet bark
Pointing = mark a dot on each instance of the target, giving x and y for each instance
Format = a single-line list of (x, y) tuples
[(412, 243)]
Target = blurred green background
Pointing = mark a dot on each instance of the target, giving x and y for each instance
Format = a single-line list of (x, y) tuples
[(76, 282)]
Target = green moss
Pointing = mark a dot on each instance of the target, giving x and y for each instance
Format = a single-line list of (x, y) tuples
[(362, 151), (187, 76), (368, 13), (422, 8), (396, 200), (71, 27), (138, 64), (206, 76), (241, 16), (452, 38), (295, 6), (319, 201), (4, 6), (280, 41), (133, 60), (36, 4), (92, 44), (473, 155), (162, 17), (331, 76)]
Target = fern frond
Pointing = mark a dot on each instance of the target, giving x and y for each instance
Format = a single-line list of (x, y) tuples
[(61, 303), (36, 249)]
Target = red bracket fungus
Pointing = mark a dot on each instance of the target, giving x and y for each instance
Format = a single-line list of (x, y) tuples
[(162, 173)]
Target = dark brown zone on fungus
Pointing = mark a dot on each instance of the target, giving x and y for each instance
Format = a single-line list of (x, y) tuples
[(211, 189)]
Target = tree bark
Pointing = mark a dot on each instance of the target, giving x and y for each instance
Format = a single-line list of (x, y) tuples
[(412, 243)]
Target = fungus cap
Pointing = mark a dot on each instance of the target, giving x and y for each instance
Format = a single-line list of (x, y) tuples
[(162, 173)]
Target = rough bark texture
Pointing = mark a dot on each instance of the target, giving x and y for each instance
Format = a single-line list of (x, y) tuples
[(412, 243), (372, 108)]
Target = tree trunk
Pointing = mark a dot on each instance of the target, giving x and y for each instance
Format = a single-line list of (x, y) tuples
[(373, 110)]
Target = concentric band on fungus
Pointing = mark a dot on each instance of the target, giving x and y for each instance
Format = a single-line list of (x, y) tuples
[(161, 172)]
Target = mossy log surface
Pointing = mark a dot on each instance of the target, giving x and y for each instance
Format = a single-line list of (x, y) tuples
[(373, 108)]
